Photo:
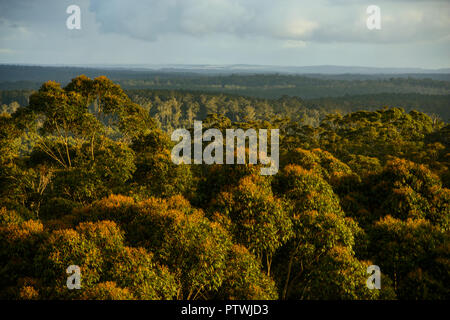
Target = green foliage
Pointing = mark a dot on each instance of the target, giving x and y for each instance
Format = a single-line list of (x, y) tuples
[(98, 249), (306, 190), (243, 278), (156, 175), (257, 219), (107, 291), (56, 208), (19, 240), (194, 248), (86, 179), (340, 276), (415, 254), (408, 190)]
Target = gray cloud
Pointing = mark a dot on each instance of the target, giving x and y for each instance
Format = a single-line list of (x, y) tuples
[(284, 19), (283, 32)]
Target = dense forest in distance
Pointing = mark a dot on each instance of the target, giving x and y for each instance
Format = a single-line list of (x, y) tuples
[(177, 108), (269, 94), (273, 85), (86, 179)]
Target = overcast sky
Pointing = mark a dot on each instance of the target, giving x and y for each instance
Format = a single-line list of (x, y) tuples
[(414, 33)]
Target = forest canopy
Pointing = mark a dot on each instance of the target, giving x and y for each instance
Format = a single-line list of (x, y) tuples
[(86, 179)]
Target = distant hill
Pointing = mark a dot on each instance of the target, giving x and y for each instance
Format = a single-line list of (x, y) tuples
[(251, 84), (14, 73), (325, 69)]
